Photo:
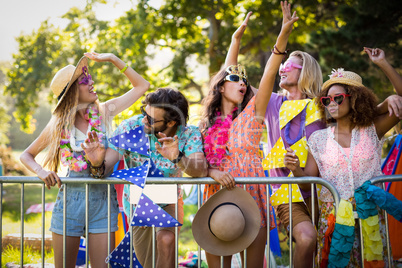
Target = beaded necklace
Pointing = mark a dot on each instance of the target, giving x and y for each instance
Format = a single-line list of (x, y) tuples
[(216, 138), (67, 142)]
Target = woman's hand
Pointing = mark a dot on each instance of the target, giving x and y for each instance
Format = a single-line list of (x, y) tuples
[(237, 35), (94, 150), (100, 57), (288, 18), (224, 178), (395, 105), (376, 55), (291, 160), (50, 178)]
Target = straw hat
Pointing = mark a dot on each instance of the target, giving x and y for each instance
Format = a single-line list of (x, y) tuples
[(227, 223), (65, 77), (340, 76)]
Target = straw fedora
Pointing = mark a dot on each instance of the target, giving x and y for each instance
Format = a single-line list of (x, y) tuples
[(64, 78), (340, 76), (227, 223)]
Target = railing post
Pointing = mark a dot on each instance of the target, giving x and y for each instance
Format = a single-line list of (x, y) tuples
[(387, 233), (64, 225), (290, 227), (86, 225), (1, 219), (43, 226), (22, 226)]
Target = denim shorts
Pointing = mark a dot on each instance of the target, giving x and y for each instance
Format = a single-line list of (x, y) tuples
[(97, 209)]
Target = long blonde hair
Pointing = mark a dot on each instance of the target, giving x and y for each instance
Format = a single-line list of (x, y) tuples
[(310, 79), (62, 121)]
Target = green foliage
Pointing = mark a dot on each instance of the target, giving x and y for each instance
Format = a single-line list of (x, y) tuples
[(365, 23), (4, 107), (13, 255), (332, 31)]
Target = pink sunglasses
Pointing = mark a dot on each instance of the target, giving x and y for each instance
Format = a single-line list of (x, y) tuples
[(288, 66)]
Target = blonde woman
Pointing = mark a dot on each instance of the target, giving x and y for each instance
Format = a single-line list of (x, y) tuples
[(77, 112)]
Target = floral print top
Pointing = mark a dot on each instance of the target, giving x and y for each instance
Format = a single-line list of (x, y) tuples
[(346, 173), (190, 142)]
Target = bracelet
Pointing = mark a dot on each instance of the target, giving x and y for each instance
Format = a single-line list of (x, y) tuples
[(177, 160), (97, 172), (278, 51), (124, 69)]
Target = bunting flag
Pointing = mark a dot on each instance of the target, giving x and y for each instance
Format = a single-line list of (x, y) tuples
[(120, 256), (135, 175), (153, 170), (149, 214), (134, 140), (281, 196), (393, 165)]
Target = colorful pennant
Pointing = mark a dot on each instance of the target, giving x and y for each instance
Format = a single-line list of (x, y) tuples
[(134, 140), (120, 256), (149, 214)]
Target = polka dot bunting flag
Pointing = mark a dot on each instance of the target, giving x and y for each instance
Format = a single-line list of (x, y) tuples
[(120, 256), (134, 140), (135, 175), (147, 213)]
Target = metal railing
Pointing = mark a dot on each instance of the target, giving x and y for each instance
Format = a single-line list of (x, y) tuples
[(87, 181)]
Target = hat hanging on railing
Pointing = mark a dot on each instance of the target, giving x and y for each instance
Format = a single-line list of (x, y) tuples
[(227, 223)]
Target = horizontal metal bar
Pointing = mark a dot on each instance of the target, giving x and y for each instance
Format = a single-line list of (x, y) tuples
[(386, 178), (185, 180)]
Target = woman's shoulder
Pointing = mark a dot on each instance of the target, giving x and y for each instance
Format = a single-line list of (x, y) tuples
[(319, 134)]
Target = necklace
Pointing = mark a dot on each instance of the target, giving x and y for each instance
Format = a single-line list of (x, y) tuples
[(68, 146), (216, 138)]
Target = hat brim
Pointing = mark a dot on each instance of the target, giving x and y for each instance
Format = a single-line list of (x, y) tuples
[(210, 243), (341, 80), (77, 72)]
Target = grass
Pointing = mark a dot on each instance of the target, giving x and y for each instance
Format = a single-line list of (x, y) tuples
[(12, 255), (186, 239)]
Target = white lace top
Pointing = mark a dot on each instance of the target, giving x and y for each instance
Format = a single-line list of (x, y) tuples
[(346, 172)]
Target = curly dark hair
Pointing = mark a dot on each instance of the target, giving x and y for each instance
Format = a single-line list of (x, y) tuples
[(172, 101), (363, 105), (212, 102)]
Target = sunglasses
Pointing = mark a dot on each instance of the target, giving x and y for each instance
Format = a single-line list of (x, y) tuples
[(87, 76), (150, 120), (288, 66), (236, 78), (338, 99)]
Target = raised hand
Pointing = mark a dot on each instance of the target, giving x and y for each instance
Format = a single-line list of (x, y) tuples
[(239, 32), (288, 18), (169, 148), (376, 55), (94, 149), (100, 57), (291, 160)]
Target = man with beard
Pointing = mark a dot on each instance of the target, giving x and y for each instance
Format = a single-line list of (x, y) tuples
[(175, 147)]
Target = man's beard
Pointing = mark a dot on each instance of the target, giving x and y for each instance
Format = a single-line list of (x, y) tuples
[(154, 131)]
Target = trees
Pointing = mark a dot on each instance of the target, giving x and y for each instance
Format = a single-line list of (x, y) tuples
[(332, 31)]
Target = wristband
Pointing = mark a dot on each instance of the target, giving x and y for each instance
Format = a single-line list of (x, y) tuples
[(124, 69), (177, 160), (97, 172)]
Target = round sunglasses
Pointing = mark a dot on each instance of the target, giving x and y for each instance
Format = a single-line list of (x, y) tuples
[(236, 78), (338, 99)]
